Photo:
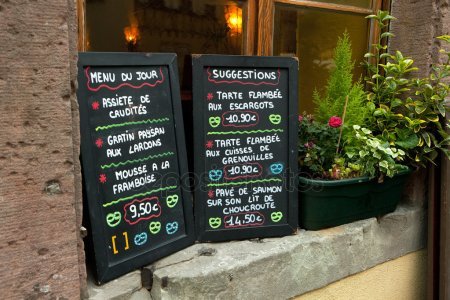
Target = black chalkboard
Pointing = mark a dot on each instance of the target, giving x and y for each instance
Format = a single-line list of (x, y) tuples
[(245, 136), (133, 159)]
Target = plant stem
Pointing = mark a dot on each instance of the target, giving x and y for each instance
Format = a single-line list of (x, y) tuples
[(342, 125)]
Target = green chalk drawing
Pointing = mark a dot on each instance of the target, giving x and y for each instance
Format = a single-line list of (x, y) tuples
[(127, 162), (139, 195), (245, 131), (149, 121), (246, 182)]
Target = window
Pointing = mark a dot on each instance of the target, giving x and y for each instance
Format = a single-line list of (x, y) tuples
[(309, 30), (176, 26), (311, 35), (304, 28)]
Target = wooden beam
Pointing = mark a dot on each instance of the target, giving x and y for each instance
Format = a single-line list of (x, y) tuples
[(328, 6), (444, 238), (249, 39), (265, 27), (81, 13), (433, 235)]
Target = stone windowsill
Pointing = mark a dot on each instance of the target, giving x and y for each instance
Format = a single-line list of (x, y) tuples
[(274, 268)]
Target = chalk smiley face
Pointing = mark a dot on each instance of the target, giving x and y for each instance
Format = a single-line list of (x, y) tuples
[(214, 121), (171, 228), (215, 222), (140, 239), (275, 119), (215, 175), (172, 200), (276, 168), (276, 216), (113, 219), (154, 227)]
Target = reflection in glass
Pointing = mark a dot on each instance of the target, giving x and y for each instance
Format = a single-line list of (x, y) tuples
[(311, 35), (178, 26)]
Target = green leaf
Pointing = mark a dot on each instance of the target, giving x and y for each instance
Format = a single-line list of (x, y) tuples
[(402, 81), (445, 142), (427, 138), (408, 142), (396, 102), (441, 109), (384, 107), (408, 62), (388, 17), (371, 106), (398, 55), (366, 131), (433, 155), (420, 109), (412, 69), (387, 34), (446, 152), (379, 112), (427, 149), (432, 118), (444, 38)]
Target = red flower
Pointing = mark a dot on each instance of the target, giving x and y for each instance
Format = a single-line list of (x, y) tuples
[(300, 118), (335, 122), (309, 145)]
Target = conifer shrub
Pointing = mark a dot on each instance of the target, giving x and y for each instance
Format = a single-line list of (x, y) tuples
[(340, 85)]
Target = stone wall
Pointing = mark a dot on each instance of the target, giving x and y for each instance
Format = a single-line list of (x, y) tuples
[(416, 28), (39, 168), (417, 25)]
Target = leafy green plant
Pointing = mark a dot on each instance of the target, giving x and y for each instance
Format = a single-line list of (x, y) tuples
[(406, 112), (317, 150), (339, 86), (404, 123), (376, 156)]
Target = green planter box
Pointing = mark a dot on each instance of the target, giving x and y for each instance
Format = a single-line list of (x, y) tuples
[(325, 203)]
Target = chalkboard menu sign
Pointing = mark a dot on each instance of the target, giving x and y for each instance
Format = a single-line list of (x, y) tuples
[(133, 159), (245, 125)]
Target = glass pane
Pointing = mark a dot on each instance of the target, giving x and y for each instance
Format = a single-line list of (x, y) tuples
[(358, 3), (180, 26), (311, 35)]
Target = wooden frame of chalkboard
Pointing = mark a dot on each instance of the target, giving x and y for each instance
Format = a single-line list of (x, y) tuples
[(134, 159), (244, 190)]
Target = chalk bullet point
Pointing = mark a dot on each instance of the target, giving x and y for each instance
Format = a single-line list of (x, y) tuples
[(102, 178), (95, 105), (99, 143)]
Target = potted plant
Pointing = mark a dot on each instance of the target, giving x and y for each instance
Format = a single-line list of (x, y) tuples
[(356, 153)]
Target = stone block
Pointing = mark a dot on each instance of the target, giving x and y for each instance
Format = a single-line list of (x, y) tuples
[(142, 294), (280, 268), (121, 288)]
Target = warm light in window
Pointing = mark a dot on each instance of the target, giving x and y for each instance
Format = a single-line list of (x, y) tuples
[(131, 34), (233, 15)]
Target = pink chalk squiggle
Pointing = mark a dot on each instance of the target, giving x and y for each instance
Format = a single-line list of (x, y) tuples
[(123, 84)]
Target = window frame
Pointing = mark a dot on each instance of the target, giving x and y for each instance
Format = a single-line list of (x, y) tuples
[(266, 13), (259, 18), (249, 39)]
